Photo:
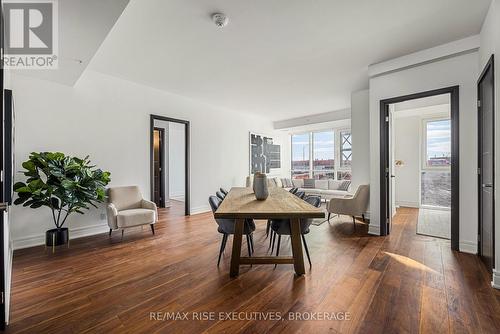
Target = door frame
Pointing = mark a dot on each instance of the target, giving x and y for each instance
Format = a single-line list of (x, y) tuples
[(490, 66), (187, 191), (454, 92), (162, 165)]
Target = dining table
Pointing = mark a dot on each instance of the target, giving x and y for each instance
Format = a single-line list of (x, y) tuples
[(240, 204)]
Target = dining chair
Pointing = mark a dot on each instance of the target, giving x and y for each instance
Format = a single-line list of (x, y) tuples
[(224, 191), (300, 194), (268, 227), (220, 195), (282, 227), (226, 228)]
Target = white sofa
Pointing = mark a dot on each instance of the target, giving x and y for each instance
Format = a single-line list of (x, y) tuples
[(327, 189)]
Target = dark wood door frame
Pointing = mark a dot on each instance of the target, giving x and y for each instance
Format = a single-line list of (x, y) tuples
[(162, 166), (490, 66), (152, 119), (455, 167)]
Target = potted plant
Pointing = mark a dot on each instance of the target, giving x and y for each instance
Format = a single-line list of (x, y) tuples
[(63, 184)]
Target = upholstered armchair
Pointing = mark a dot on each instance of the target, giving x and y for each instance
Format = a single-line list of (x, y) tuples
[(127, 208), (351, 205)]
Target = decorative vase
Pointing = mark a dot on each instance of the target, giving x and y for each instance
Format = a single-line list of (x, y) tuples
[(260, 186), (57, 237)]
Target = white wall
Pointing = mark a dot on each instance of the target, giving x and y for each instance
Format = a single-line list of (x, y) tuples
[(460, 70), (490, 44), (176, 162), (360, 129), (108, 118)]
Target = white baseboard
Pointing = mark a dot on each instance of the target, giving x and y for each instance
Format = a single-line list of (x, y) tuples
[(496, 279), (79, 232), (200, 209), (468, 247), (176, 196), (407, 204), (374, 229)]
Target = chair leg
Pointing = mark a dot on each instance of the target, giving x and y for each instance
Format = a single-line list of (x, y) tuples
[(251, 243), (248, 246), (307, 250), (110, 230), (329, 214), (123, 231), (152, 228), (274, 238), (363, 216), (268, 227), (222, 246), (278, 248), (354, 222), (270, 238)]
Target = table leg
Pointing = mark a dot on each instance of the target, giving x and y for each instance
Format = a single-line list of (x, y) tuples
[(236, 253), (298, 256)]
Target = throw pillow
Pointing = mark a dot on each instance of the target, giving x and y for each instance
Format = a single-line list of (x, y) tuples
[(289, 183), (345, 185), (309, 183), (284, 183)]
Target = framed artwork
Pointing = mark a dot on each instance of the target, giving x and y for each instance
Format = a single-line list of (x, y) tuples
[(264, 154)]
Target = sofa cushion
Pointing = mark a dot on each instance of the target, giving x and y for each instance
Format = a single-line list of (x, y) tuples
[(345, 185), (135, 217), (321, 184), (309, 183), (298, 183), (278, 182), (333, 184)]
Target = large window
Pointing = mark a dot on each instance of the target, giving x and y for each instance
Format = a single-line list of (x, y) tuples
[(322, 155), (437, 150), (300, 156), (436, 162)]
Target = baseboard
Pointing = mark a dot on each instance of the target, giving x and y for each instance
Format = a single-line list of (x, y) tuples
[(200, 209), (495, 282), (79, 232), (374, 229), (177, 197), (407, 204), (468, 247)]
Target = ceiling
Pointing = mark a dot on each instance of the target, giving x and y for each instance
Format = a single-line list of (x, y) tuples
[(83, 25), (277, 58)]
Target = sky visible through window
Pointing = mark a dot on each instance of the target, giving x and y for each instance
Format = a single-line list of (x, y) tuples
[(438, 142), (323, 146)]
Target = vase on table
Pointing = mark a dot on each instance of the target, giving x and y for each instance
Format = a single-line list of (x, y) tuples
[(260, 186)]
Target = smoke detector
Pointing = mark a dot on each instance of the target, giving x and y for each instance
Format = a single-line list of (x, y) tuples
[(220, 20)]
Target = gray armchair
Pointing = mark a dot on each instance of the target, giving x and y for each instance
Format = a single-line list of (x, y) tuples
[(351, 205), (127, 208)]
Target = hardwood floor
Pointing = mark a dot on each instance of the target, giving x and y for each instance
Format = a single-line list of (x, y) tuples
[(398, 284)]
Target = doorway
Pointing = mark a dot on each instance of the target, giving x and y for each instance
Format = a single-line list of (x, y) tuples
[(486, 164), (437, 170), (159, 166), (169, 160)]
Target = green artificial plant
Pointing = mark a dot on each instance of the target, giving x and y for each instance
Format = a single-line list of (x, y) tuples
[(62, 183)]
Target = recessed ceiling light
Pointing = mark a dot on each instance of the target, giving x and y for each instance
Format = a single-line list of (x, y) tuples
[(220, 20)]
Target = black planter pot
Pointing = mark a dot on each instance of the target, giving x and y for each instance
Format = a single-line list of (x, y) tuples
[(57, 237)]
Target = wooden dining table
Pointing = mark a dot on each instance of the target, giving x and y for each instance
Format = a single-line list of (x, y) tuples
[(240, 204)]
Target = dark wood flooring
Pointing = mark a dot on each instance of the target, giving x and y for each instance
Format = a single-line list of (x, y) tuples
[(404, 283)]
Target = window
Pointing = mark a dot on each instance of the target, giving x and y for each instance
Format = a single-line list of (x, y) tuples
[(323, 155), (437, 143), (300, 156), (435, 175), (345, 149), (320, 154)]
